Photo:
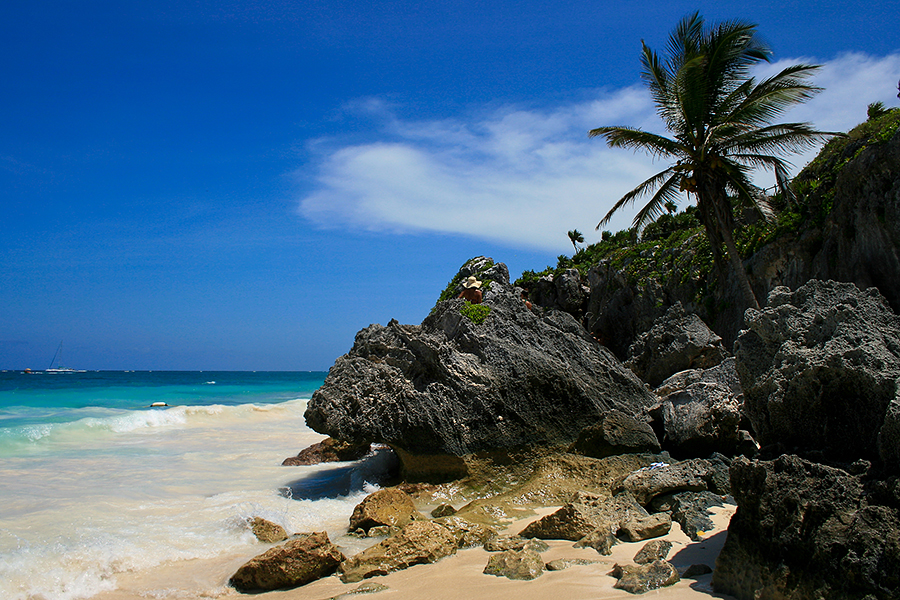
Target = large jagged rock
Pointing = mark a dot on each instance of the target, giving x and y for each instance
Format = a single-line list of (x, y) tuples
[(701, 411), (450, 387), (691, 510), (804, 530), (694, 475), (616, 433), (418, 543), (677, 341), (298, 561), (820, 370)]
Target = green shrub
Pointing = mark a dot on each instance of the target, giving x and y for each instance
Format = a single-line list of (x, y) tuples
[(476, 313)]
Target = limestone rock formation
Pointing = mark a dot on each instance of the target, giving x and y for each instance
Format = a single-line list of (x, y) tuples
[(387, 507), (585, 514), (418, 543), (616, 433), (639, 579), (677, 341), (691, 510), (820, 369), (296, 562), (805, 530), (454, 387), (692, 475), (515, 564), (701, 410), (639, 528)]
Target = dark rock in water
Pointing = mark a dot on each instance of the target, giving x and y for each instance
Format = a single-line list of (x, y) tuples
[(677, 341), (639, 579), (701, 410), (820, 370), (691, 475), (297, 562), (645, 528), (452, 387), (266, 531), (804, 530), (616, 433), (418, 543), (388, 507), (651, 551), (690, 510), (516, 564), (443, 510), (328, 450)]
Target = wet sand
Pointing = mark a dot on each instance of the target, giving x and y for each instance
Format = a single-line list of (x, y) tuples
[(453, 578)]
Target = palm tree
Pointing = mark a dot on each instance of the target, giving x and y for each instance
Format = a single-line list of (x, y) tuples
[(576, 236), (720, 121)]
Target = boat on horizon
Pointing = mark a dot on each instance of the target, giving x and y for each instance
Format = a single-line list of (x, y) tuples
[(60, 369)]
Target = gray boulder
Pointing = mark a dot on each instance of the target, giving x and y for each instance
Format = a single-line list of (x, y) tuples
[(454, 386), (805, 530), (298, 561), (692, 475), (691, 510), (677, 341), (820, 370), (701, 410), (602, 540), (616, 433)]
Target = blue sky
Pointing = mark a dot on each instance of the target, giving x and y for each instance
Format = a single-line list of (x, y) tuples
[(209, 185)]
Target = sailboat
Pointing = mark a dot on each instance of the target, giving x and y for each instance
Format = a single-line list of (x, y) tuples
[(58, 368)]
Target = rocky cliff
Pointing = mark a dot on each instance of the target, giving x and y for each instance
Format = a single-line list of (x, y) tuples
[(474, 378)]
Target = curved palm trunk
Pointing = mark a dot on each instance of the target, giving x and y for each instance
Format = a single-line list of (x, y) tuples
[(715, 210)]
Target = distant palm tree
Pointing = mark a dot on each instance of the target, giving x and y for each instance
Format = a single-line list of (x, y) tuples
[(576, 236), (719, 118)]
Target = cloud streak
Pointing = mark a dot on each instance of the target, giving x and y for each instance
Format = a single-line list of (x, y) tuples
[(523, 176)]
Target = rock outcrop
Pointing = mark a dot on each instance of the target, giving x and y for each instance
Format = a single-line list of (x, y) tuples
[(701, 411), (616, 433), (820, 369), (298, 561), (805, 530), (676, 342), (640, 579), (458, 385)]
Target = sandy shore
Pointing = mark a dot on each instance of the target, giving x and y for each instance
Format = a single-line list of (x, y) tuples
[(453, 578)]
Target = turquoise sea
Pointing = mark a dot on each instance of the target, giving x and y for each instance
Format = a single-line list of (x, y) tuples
[(100, 488)]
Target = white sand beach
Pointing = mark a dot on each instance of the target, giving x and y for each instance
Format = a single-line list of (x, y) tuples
[(455, 577)]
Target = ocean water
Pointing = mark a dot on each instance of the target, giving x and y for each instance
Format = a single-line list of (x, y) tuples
[(97, 487)]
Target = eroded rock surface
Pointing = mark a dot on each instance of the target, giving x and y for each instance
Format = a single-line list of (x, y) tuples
[(453, 387), (805, 530), (820, 370), (389, 507), (418, 543)]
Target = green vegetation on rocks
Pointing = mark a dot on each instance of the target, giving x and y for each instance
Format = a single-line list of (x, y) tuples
[(476, 313)]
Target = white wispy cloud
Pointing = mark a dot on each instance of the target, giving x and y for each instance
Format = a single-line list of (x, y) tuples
[(524, 176)]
